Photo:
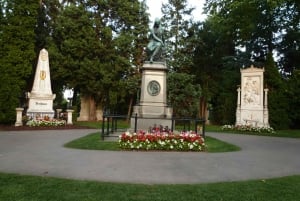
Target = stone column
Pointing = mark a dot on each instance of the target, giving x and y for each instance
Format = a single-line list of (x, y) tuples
[(266, 97), (19, 116), (239, 97), (69, 120), (266, 111), (58, 111), (238, 109)]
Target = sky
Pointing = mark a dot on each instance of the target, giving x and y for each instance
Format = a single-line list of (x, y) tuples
[(155, 8)]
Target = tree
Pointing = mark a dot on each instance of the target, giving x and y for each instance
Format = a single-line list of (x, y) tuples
[(215, 42), (97, 45), (260, 28), (277, 99), (183, 94), (180, 37), (294, 102), (46, 20), (17, 39)]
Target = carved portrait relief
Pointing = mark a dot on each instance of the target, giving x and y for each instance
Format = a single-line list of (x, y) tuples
[(251, 91)]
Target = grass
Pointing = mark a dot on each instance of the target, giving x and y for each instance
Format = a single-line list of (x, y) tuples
[(93, 141), (32, 188)]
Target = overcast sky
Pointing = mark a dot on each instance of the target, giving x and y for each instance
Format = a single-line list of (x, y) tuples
[(155, 8)]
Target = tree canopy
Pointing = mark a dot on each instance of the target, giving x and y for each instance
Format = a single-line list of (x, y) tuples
[(17, 39), (96, 47)]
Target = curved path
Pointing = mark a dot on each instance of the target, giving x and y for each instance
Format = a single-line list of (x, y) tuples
[(42, 153)]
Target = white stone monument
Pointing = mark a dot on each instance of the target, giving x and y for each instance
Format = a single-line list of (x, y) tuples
[(252, 105), (41, 96), (153, 108)]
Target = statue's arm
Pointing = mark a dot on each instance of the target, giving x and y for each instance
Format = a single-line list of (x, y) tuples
[(157, 38)]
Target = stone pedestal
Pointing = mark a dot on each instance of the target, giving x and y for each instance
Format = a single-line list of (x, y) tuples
[(69, 119), (153, 108), (19, 121), (58, 111)]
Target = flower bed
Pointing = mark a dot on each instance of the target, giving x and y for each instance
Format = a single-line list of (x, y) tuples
[(156, 140), (43, 122), (248, 128)]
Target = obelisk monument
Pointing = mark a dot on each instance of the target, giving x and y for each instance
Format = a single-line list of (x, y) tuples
[(41, 96)]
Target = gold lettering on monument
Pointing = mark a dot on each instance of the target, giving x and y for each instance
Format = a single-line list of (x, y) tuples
[(43, 75)]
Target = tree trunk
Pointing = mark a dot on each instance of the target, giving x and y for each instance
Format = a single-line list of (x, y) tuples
[(129, 108), (92, 116), (202, 108)]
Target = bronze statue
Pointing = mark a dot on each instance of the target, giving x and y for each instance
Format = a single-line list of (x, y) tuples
[(155, 47)]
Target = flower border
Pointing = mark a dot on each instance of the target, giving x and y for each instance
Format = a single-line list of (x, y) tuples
[(42, 122), (249, 128), (185, 141)]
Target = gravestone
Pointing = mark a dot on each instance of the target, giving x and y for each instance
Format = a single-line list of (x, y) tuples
[(252, 102), (41, 96)]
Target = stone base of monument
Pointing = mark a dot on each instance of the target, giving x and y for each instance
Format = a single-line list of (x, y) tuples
[(252, 117), (40, 106), (144, 123), (146, 116)]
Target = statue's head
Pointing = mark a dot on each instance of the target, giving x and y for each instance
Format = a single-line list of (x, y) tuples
[(156, 21)]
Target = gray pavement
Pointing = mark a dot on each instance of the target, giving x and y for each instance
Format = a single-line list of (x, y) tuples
[(42, 153)]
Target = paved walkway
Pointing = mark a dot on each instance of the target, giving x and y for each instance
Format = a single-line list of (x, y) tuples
[(42, 153)]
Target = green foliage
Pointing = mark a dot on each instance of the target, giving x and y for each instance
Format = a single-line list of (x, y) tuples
[(96, 44), (183, 94), (180, 34), (294, 100), (278, 99), (225, 101), (215, 69), (256, 29), (17, 39), (93, 141)]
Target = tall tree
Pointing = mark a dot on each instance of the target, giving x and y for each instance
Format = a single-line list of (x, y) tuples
[(97, 45), (215, 42), (179, 34), (183, 94), (18, 21), (258, 27), (181, 37)]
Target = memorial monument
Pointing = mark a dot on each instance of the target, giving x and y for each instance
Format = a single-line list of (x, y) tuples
[(252, 101), (41, 96), (153, 108)]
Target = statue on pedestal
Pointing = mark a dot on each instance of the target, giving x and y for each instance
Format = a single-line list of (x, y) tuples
[(155, 47)]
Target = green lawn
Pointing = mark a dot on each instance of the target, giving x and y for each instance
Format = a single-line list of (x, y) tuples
[(93, 141), (32, 188)]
